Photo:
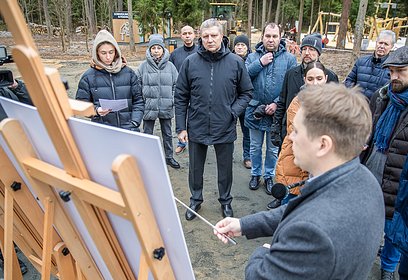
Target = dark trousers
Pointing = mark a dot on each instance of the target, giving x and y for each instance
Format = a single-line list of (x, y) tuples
[(403, 267), (165, 127), (198, 154), (246, 141)]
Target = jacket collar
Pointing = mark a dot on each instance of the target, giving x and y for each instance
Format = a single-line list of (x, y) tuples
[(319, 183), (223, 51)]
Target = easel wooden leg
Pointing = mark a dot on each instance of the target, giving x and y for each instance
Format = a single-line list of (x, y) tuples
[(16, 266), (143, 268), (8, 234), (47, 240), (65, 262)]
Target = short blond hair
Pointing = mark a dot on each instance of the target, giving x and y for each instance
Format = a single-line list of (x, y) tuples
[(339, 112)]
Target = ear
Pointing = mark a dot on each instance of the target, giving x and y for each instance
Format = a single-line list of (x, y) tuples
[(326, 146)]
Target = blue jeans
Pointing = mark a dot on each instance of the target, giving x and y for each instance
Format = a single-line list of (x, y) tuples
[(403, 268), (389, 255), (257, 139), (246, 142)]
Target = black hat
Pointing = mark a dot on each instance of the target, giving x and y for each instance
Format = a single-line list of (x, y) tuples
[(398, 58), (242, 39), (313, 40)]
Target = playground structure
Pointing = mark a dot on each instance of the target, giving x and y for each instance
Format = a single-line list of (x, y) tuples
[(330, 27), (376, 25)]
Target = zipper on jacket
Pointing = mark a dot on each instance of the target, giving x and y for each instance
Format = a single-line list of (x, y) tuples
[(114, 98), (211, 93)]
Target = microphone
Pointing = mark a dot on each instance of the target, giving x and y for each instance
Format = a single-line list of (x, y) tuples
[(280, 191)]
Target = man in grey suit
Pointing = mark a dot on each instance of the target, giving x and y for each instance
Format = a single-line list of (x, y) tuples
[(333, 229)]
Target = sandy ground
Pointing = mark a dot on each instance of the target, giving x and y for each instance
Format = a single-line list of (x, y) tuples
[(210, 258)]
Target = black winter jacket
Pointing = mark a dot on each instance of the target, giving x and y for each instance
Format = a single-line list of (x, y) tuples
[(397, 151), (368, 73), (293, 81), (212, 90), (98, 84)]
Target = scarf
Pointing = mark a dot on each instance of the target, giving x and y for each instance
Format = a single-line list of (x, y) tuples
[(388, 120)]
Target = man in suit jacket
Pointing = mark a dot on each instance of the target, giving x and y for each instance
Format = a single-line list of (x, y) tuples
[(333, 229)]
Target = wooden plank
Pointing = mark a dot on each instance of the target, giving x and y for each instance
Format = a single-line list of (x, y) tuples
[(16, 266), (143, 268), (88, 190), (65, 262), (22, 149), (8, 234), (47, 241), (81, 108), (130, 182)]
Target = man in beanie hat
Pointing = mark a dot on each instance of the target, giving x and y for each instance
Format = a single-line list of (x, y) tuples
[(158, 76), (310, 51), (368, 72), (110, 78), (177, 57), (242, 48), (387, 147)]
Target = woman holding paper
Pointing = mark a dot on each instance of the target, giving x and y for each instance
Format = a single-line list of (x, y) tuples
[(114, 88)]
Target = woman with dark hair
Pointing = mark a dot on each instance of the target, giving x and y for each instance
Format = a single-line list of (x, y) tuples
[(286, 171), (110, 78)]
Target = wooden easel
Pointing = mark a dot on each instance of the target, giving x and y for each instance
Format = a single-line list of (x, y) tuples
[(52, 229)]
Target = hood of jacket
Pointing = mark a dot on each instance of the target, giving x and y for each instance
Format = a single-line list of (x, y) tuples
[(118, 63), (210, 56), (162, 63)]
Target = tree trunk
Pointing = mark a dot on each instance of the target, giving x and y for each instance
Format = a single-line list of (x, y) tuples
[(120, 5), (263, 13), (68, 20), (311, 16), (341, 38), (299, 31), (359, 28), (111, 9), (90, 15), (47, 18), (40, 12), (278, 7), (249, 20), (269, 17), (132, 39)]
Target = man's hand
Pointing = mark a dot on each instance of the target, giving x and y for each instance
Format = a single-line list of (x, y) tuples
[(271, 108), (266, 58), (183, 136), (228, 226), (103, 112)]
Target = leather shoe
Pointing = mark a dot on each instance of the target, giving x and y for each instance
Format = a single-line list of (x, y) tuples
[(254, 182), (173, 163), (227, 210), (274, 204), (268, 186), (190, 215)]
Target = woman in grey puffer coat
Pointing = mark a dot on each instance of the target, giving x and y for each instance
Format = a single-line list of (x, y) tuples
[(158, 76)]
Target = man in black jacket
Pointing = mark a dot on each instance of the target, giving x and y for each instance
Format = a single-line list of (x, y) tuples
[(311, 49), (387, 148), (213, 88)]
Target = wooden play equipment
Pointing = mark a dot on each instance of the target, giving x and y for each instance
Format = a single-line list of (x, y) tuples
[(330, 27), (40, 225)]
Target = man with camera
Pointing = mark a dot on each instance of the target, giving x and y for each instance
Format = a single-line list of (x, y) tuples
[(266, 67)]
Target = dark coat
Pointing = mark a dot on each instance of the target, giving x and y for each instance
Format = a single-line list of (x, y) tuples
[(98, 84), (212, 90), (331, 231), (293, 81), (368, 73), (397, 151), (19, 93), (178, 56)]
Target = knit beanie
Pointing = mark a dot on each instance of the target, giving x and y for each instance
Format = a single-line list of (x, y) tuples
[(242, 39), (156, 39), (313, 40)]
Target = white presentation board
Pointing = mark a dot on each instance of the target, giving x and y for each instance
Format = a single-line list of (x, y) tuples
[(99, 145)]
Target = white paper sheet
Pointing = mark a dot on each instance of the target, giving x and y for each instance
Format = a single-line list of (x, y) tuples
[(114, 105)]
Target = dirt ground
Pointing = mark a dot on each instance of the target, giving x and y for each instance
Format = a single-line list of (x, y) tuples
[(210, 259)]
